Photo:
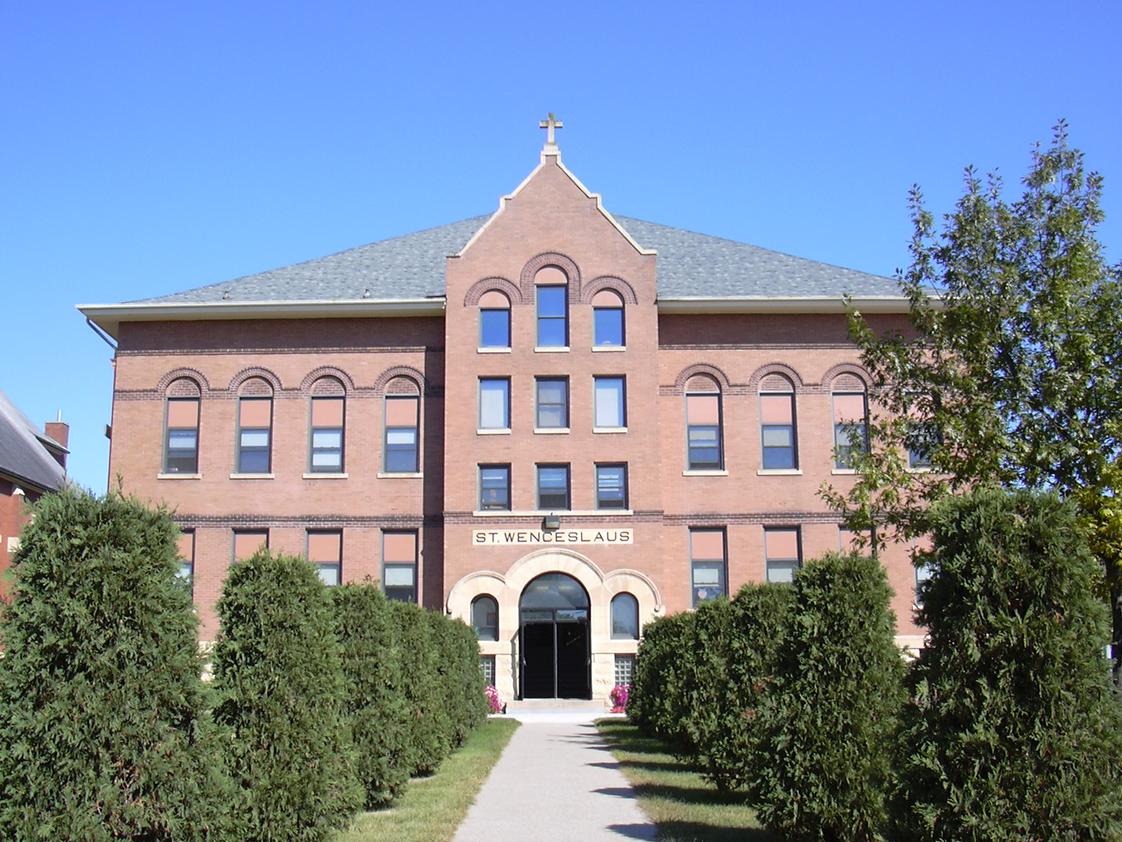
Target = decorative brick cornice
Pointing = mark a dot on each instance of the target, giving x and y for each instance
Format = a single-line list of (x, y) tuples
[(480, 288), (550, 258), (328, 521)]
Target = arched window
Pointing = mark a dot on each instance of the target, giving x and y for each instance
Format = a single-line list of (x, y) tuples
[(485, 617), (494, 320), (326, 435), (255, 427), (625, 617), (704, 439), (777, 423), (181, 427), (851, 419), (402, 419), (552, 292), (607, 320)]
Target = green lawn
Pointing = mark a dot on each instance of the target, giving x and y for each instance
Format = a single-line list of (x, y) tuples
[(432, 808), (682, 804)]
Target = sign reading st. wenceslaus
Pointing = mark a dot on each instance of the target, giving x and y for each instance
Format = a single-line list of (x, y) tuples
[(491, 537)]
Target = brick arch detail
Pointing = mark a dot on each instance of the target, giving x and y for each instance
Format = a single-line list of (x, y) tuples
[(775, 368), (180, 374), (401, 371), (846, 368), (327, 371), (255, 371), (509, 288), (550, 258), (701, 368), (617, 285)]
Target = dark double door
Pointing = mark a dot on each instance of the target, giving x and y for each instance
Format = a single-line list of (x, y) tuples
[(555, 655)]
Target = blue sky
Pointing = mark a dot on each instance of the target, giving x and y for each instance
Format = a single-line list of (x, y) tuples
[(147, 148)]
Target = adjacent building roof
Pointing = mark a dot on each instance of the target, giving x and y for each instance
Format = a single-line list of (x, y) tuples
[(411, 267), (24, 453)]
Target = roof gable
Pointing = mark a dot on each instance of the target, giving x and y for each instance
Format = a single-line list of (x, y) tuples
[(23, 455)]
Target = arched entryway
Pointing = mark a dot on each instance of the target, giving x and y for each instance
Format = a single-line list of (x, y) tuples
[(554, 639)]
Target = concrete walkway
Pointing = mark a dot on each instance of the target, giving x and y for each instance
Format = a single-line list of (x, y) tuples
[(555, 781)]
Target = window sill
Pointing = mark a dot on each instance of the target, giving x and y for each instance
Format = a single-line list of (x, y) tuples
[(608, 349), (325, 475), (704, 473), (179, 476), (556, 512), (609, 430), (779, 472), (551, 431), (492, 350), (489, 432), (252, 476), (560, 349), (382, 475), (843, 472)]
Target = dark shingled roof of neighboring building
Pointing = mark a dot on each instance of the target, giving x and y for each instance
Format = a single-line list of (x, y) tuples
[(23, 450), (412, 267)]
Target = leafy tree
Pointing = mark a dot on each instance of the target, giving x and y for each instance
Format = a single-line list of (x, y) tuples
[(828, 722), (1013, 374), (375, 704), (428, 722), (103, 730), (1013, 732), (279, 684)]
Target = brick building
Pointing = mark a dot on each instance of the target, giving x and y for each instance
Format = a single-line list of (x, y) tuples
[(32, 463), (554, 423)]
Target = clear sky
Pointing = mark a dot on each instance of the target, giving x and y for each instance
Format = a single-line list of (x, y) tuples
[(148, 147)]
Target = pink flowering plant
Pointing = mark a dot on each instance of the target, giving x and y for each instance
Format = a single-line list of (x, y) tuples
[(494, 700), (619, 696)]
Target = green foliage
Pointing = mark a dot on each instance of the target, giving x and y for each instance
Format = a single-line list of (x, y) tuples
[(1013, 733), (459, 679), (428, 723), (375, 704), (279, 685), (733, 658), (659, 704), (828, 722), (103, 733)]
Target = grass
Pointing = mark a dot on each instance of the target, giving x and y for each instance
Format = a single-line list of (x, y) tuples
[(432, 808), (683, 806)]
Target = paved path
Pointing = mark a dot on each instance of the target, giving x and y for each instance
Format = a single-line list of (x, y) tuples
[(556, 781)]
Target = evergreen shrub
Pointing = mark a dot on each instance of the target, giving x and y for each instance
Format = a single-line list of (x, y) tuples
[(829, 720), (279, 686), (1013, 732), (103, 730), (460, 680), (375, 703), (658, 703), (428, 724)]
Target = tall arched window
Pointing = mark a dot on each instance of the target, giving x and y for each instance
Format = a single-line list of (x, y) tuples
[(551, 287), (485, 617), (851, 419), (625, 617), (494, 320), (326, 434), (777, 423), (704, 439), (607, 320), (402, 420), (181, 427), (255, 427)]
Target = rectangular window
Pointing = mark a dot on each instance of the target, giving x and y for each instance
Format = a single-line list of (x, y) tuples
[(783, 551), (611, 402), (487, 667), (850, 429), (922, 438), (185, 548), (326, 454), (553, 316), (553, 488), (777, 430), (624, 669), (552, 403), (707, 562), (703, 431), (249, 541), (494, 328), (494, 403), (181, 444), (494, 487), (607, 327), (325, 551), (399, 565), (255, 434), (402, 418), (611, 486)]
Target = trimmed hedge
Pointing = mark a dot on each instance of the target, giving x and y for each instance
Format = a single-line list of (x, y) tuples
[(279, 685), (658, 702), (103, 729), (428, 723), (1014, 732)]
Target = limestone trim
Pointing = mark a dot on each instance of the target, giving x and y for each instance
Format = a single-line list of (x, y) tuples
[(550, 258), (615, 284), (477, 290)]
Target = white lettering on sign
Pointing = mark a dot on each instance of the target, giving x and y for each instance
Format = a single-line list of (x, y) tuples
[(491, 537)]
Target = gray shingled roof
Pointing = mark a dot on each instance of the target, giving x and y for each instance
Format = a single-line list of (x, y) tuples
[(23, 454), (412, 266)]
